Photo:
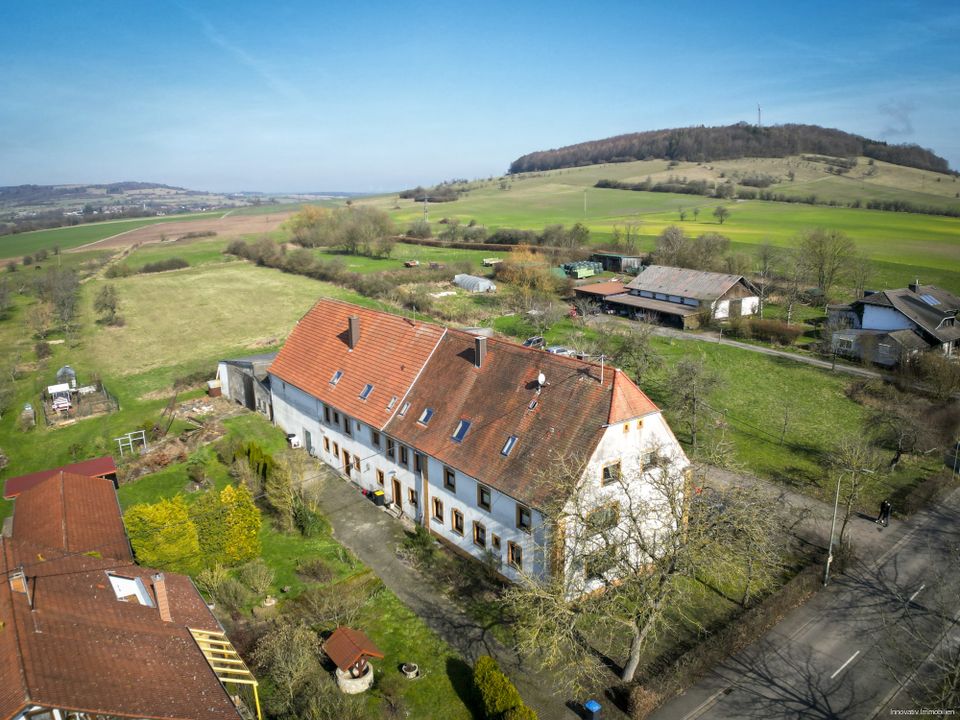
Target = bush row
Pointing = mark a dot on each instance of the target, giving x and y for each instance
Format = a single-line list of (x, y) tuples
[(772, 331), (123, 270), (499, 696)]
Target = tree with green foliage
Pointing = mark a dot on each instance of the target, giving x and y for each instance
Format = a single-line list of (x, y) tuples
[(106, 304), (721, 213), (163, 535), (209, 515), (242, 522), (497, 693)]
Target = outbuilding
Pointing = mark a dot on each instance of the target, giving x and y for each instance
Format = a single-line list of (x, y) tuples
[(474, 283)]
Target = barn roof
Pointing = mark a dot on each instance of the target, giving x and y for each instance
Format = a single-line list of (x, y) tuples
[(97, 467), (698, 284)]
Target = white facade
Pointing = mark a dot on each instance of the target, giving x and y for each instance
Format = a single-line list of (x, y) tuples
[(476, 519)]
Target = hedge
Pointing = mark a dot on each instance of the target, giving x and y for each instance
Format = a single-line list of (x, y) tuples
[(500, 698)]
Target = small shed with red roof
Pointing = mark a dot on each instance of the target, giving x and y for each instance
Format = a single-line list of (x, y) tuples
[(349, 650)]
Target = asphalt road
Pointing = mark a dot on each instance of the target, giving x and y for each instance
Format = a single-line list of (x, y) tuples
[(847, 652)]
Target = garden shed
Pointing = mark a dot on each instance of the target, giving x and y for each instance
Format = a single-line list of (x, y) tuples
[(474, 283)]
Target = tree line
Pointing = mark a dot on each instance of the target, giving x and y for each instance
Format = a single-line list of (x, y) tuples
[(705, 144)]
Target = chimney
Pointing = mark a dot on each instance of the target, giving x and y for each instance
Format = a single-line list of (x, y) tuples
[(353, 336), (163, 604), (479, 350), (915, 285)]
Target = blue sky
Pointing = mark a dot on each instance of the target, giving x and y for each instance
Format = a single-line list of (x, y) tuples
[(368, 96)]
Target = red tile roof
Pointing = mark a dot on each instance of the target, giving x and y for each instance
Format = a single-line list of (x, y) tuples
[(81, 648), (390, 354), (97, 467), (347, 646), (568, 420), (73, 513)]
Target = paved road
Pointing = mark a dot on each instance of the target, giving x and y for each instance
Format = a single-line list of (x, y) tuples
[(846, 653)]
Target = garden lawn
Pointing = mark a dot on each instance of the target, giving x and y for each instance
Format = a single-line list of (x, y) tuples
[(423, 253)]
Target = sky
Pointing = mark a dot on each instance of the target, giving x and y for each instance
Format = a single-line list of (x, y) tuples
[(379, 96)]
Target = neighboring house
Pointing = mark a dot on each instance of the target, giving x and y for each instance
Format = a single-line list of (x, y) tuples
[(101, 467), (677, 296), (891, 325), (457, 430), (474, 283), (617, 262), (86, 633), (245, 381)]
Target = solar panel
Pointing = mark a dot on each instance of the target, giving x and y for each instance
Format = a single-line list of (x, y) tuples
[(930, 300)]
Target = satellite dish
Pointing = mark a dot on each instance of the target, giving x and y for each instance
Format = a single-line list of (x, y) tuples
[(541, 379)]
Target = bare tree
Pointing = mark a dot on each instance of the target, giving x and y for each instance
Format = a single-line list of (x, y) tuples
[(861, 272), (690, 383), (794, 271), (630, 349), (628, 560), (763, 274), (830, 254), (855, 467), (721, 213)]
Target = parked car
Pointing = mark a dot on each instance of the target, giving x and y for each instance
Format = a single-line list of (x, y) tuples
[(411, 263), (534, 342), (560, 350)]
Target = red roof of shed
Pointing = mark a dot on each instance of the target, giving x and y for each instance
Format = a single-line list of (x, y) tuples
[(97, 467), (346, 646)]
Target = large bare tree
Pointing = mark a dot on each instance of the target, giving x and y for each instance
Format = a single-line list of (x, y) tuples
[(830, 254)]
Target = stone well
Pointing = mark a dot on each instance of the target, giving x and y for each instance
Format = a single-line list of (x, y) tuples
[(354, 685)]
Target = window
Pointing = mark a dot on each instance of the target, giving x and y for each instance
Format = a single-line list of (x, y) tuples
[(393, 401), (425, 416), (479, 534), (130, 590), (365, 393), (356, 463), (380, 477), (326, 444), (391, 448), (336, 377), (336, 450), (515, 555), (375, 437), (404, 455), (438, 509), (403, 409), (461, 431), (495, 541), (412, 496), (532, 405), (449, 479), (456, 522), (603, 518), (639, 424), (524, 519), (597, 564), (647, 458), (611, 473), (483, 497), (416, 462), (626, 428), (347, 426), (508, 445), (336, 418), (326, 413)]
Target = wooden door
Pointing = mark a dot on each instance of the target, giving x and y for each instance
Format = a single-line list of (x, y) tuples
[(397, 493), (347, 467)]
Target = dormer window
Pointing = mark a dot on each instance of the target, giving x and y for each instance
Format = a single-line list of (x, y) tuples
[(365, 393), (336, 377), (508, 445), (425, 416), (461, 432), (130, 589)]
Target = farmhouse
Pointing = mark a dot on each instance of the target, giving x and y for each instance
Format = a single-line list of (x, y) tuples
[(456, 430), (679, 296), (85, 632), (245, 381), (889, 326)]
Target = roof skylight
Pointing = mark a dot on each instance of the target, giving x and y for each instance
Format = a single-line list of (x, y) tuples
[(425, 416), (393, 401), (508, 445), (461, 431), (129, 589), (336, 377), (403, 409), (930, 299), (365, 393)]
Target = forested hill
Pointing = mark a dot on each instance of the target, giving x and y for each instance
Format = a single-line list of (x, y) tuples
[(706, 144)]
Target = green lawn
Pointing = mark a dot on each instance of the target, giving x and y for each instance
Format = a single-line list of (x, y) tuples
[(76, 235), (196, 251), (422, 253)]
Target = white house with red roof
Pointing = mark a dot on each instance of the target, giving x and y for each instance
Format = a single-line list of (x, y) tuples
[(461, 433)]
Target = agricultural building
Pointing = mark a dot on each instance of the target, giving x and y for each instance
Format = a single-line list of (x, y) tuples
[(677, 296), (617, 262), (889, 326), (456, 429), (101, 467), (474, 283), (85, 632), (245, 381)]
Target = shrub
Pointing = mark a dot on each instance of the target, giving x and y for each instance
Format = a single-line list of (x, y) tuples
[(421, 545), (315, 569), (42, 349), (163, 265), (232, 594), (775, 331), (163, 535), (497, 693), (120, 270), (521, 712), (258, 576), (420, 229), (211, 579), (329, 606), (309, 522)]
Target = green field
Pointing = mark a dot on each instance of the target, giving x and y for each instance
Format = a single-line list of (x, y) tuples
[(12, 246), (903, 245), (422, 253), (196, 251)]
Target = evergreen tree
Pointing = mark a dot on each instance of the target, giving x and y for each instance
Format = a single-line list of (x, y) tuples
[(209, 517), (163, 535), (241, 524)]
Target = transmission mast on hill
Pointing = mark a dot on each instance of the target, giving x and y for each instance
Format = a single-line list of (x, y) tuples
[(759, 124)]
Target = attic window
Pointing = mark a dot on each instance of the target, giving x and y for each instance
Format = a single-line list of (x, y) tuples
[(393, 401), (508, 445), (130, 590), (461, 431), (425, 416), (532, 405), (365, 393), (336, 377), (403, 409)]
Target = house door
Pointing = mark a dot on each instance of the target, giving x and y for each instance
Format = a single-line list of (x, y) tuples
[(308, 441), (397, 493), (347, 467)]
